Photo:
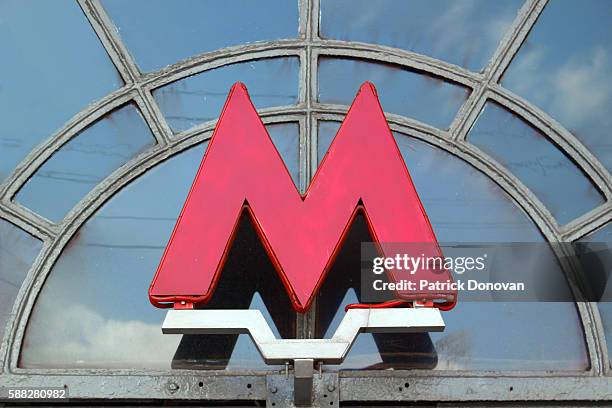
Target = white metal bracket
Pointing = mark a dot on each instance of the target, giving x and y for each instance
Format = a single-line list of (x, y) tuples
[(303, 354)]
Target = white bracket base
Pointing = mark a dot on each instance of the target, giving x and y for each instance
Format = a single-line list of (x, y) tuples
[(298, 352), (280, 351)]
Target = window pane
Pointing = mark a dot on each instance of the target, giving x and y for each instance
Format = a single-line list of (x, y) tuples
[(84, 162), (160, 33), (426, 98), (17, 252), (465, 33), (286, 138), (52, 67), (605, 310), (325, 134), (94, 311), (595, 254), (598, 266), (463, 205), (200, 98), (565, 68), (536, 161)]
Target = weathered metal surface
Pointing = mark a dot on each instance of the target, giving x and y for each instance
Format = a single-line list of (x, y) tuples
[(494, 388), (325, 390), (200, 386), (352, 386), (303, 373)]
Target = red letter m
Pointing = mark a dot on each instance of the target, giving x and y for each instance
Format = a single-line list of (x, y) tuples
[(242, 171)]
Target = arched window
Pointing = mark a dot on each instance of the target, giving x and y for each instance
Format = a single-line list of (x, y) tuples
[(501, 114)]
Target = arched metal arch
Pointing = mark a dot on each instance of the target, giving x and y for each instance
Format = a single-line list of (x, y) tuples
[(102, 193)]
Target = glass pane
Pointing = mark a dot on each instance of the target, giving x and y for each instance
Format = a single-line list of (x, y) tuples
[(52, 67), (159, 33), (286, 138), (325, 134), (598, 266), (565, 68), (465, 33), (595, 254), (200, 98), (94, 311), (426, 98), (471, 209), (84, 162), (17, 252), (605, 311), (536, 161), (463, 205)]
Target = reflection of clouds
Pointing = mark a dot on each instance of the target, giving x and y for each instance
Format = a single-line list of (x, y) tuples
[(497, 26), (582, 87), (566, 72), (84, 338), (456, 13), (575, 91), (17, 252), (526, 69), (465, 32), (454, 349), (456, 19), (469, 30)]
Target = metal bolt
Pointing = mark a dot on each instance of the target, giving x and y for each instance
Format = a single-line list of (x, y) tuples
[(172, 387), (331, 387), (273, 390)]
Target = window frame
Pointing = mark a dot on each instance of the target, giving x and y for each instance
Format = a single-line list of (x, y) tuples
[(367, 385)]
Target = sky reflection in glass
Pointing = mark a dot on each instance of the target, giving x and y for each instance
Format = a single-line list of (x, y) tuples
[(565, 68), (463, 205), (83, 162), (53, 66), (465, 33), (559, 183), (200, 98), (100, 284), (422, 97), (160, 33), (18, 249), (599, 267)]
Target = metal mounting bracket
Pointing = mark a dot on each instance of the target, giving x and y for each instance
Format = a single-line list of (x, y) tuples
[(303, 354), (281, 394)]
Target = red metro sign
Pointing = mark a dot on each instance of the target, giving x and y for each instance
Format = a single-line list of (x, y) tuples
[(363, 171)]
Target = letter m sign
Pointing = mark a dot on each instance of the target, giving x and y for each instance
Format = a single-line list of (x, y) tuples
[(363, 171)]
